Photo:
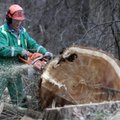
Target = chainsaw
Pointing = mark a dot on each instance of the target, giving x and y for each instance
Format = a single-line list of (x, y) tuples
[(36, 59)]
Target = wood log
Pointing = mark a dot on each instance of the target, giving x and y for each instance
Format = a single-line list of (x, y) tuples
[(92, 111), (80, 75), (10, 111)]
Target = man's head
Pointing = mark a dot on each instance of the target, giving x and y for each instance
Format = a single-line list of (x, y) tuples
[(15, 13)]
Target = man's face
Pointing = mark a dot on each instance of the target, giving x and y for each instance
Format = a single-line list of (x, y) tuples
[(16, 23)]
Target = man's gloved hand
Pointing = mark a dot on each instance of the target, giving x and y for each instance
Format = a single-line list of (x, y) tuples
[(25, 54), (49, 55)]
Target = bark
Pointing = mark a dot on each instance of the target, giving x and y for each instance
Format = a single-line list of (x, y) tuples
[(96, 111)]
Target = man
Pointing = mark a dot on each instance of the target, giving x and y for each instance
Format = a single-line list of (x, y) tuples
[(14, 42)]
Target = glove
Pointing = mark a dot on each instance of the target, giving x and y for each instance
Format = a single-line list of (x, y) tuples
[(48, 55), (25, 54)]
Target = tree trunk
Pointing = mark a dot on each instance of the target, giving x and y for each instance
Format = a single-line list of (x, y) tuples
[(96, 111), (80, 75)]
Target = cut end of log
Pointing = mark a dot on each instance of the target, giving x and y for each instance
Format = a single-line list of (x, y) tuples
[(79, 76)]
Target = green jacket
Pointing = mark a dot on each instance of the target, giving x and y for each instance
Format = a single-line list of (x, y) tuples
[(12, 45)]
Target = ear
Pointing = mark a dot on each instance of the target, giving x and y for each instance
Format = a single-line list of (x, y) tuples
[(9, 14)]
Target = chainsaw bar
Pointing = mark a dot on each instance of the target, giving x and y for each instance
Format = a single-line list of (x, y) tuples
[(39, 58)]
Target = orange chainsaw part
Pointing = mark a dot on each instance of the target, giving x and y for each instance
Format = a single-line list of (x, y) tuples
[(36, 59)]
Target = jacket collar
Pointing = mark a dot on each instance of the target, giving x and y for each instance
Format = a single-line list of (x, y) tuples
[(9, 28)]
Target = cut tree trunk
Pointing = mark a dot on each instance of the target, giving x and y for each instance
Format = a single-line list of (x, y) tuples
[(80, 75)]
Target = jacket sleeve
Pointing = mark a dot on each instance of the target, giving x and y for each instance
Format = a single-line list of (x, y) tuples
[(33, 46), (6, 50)]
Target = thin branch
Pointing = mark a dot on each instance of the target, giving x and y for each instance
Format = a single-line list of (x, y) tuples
[(110, 22)]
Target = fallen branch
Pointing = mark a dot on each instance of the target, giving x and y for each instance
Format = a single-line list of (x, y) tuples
[(17, 112)]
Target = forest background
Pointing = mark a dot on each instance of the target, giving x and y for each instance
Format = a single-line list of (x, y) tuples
[(57, 24)]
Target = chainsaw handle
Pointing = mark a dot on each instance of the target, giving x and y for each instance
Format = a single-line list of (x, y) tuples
[(39, 58), (24, 60)]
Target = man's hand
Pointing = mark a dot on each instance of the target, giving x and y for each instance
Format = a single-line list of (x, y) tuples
[(48, 55), (25, 54)]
